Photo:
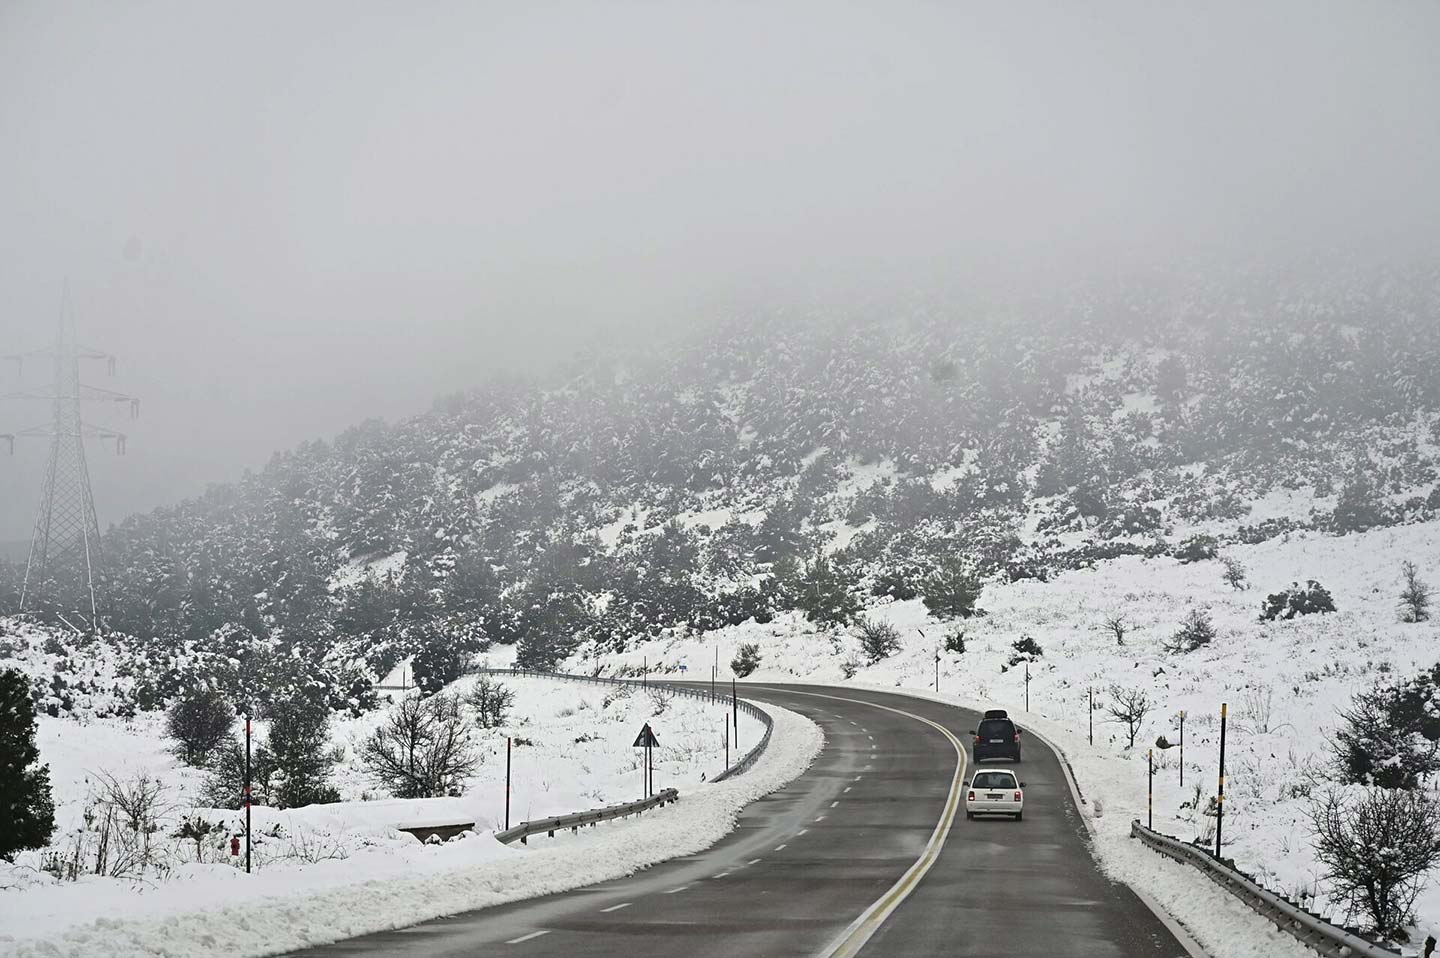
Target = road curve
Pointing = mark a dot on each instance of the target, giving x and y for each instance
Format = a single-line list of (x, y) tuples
[(827, 866)]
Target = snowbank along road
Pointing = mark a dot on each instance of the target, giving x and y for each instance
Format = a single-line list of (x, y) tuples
[(867, 853)]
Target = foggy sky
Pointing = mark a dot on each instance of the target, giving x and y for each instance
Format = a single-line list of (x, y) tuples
[(287, 218)]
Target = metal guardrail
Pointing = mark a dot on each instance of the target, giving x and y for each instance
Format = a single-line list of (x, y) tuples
[(575, 820), (1308, 928), (691, 691)]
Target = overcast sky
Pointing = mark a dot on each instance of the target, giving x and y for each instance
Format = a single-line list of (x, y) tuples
[(288, 217)]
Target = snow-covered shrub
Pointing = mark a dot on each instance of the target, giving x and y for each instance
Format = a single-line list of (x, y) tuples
[(746, 660), (27, 810), (199, 722), (491, 700), (1197, 548), (1308, 599), (1234, 574), (1377, 844), (422, 749), (1024, 649), (120, 834), (1358, 506), (955, 640), (1390, 734), (1197, 631), (878, 640)]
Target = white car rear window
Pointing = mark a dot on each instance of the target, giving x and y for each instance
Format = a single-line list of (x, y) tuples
[(993, 780)]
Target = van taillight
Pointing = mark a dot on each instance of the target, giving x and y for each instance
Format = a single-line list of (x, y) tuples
[(1017, 737), (977, 740)]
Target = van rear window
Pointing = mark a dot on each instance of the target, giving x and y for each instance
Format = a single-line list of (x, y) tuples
[(996, 728)]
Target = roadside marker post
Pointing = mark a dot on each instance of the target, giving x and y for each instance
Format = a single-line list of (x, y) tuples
[(1220, 797), (1150, 789), (1182, 748), (508, 743), (1027, 685), (1091, 690)]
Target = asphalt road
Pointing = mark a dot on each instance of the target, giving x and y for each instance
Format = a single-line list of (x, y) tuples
[(824, 867)]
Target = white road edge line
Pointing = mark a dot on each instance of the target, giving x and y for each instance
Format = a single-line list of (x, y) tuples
[(533, 934)]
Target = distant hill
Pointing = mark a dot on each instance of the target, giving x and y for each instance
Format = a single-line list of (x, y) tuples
[(815, 462)]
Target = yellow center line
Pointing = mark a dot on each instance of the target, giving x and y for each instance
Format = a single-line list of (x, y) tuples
[(859, 931)]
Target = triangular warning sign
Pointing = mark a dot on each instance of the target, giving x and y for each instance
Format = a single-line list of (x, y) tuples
[(646, 738)]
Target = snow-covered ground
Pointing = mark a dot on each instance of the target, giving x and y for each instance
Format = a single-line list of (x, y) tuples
[(1284, 683), (329, 871)]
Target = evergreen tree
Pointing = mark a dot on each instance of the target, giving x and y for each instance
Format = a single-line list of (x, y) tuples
[(951, 590), (825, 596), (27, 810), (299, 752)]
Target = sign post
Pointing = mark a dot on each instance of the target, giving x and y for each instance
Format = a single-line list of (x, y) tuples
[(1220, 797), (508, 742), (647, 740), (247, 794)]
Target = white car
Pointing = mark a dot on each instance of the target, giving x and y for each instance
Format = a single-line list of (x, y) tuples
[(995, 791)]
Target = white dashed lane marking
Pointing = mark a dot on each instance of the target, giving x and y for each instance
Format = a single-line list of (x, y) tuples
[(623, 904), (533, 934)]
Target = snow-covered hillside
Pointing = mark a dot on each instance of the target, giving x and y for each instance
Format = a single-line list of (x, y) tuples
[(1284, 681)]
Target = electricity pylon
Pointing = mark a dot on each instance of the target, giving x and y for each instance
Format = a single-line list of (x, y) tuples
[(62, 573)]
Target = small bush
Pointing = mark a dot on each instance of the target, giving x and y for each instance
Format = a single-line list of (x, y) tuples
[(1197, 548), (1234, 574), (1025, 649), (955, 641), (1195, 632), (1377, 846), (1297, 600), (1118, 627), (491, 701), (878, 640), (1415, 596), (199, 723), (746, 660)]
